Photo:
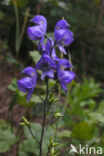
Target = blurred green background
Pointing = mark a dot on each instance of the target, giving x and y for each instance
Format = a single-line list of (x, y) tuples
[(85, 104)]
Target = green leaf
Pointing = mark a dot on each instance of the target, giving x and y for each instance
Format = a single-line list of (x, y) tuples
[(13, 86), (100, 109), (96, 117), (51, 82), (35, 56), (7, 138), (36, 129), (64, 134), (83, 131), (30, 145), (36, 99)]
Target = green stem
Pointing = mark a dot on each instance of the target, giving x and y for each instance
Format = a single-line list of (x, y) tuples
[(44, 118), (69, 87), (29, 127)]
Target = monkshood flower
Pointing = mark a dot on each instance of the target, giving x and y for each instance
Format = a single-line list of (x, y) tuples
[(28, 83), (63, 64), (62, 24), (63, 37), (47, 65), (48, 49), (65, 77), (38, 32)]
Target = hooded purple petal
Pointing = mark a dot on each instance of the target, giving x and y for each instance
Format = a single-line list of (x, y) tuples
[(64, 87), (29, 95), (62, 24), (35, 33), (65, 77), (54, 56), (41, 21), (63, 37), (62, 49), (29, 71), (62, 64), (27, 84)]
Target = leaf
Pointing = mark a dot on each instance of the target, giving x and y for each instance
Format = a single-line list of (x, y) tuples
[(83, 131), (30, 145), (64, 134), (13, 86), (36, 99), (36, 129), (35, 56), (96, 117), (100, 109), (63, 5), (51, 82), (7, 138)]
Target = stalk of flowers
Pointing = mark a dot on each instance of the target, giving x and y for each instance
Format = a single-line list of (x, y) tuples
[(49, 63)]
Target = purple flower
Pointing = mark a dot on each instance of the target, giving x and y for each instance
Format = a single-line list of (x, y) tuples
[(38, 32), (62, 24), (28, 83), (63, 37), (47, 65), (48, 48), (63, 64), (41, 21), (64, 76)]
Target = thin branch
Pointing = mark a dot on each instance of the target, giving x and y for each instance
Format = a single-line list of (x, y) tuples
[(44, 118), (39, 95), (29, 127), (48, 150)]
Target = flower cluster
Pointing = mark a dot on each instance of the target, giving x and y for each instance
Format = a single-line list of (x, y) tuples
[(49, 62)]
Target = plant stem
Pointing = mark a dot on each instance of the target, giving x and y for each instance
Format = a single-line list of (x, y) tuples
[(29, 127), (69, 86), (39, 95), (44, 118), (48, 150), (59, 89)]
